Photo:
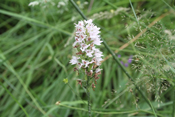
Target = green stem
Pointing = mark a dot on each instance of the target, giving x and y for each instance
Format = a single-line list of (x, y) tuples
[(118, 62), (75, 93), (88, 94), (173, 112), (79, 11)]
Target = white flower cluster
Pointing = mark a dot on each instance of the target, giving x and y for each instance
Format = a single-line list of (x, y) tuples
[(34, 3), (88, 56), (41, 2)]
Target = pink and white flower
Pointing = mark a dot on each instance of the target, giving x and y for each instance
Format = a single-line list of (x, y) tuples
[(88, 56), (74, 60)]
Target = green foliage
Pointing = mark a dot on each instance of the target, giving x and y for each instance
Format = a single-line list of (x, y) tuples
[(36, 46)]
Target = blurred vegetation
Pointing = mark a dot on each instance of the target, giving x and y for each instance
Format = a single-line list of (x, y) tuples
[(36, 47)]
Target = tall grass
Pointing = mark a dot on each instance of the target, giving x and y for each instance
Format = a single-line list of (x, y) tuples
[(36, 46)]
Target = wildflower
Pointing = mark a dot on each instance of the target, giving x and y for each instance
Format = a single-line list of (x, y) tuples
[(126, 64), (61, 4), (119, 56), (88, 56), (33, 3), (98, 70), (65, 80), (74, 60), (43, 3), (130, 59)]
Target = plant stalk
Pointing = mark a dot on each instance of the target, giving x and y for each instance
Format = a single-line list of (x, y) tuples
[(173, 112), (88, 94)]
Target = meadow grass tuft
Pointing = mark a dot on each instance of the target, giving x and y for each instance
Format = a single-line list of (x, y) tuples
[(36, 47)]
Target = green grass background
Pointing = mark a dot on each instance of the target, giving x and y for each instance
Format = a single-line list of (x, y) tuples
[(36, 47)]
